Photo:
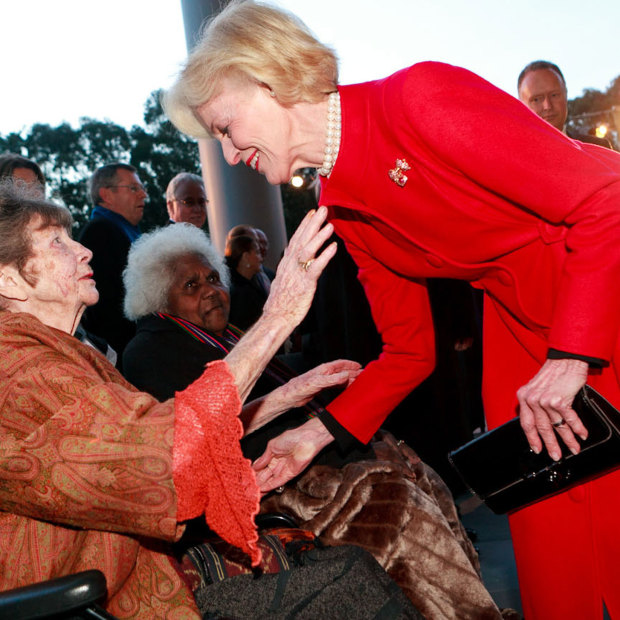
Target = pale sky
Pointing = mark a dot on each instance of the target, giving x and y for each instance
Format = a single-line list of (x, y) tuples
[(66, 59)]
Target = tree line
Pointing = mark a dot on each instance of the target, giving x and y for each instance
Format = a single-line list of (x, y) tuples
[(69, 156), (594, 108)]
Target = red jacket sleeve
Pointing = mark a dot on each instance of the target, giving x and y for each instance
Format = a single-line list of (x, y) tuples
[(402, 315)]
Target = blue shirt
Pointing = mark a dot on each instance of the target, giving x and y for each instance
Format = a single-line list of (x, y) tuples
[(132, 232)]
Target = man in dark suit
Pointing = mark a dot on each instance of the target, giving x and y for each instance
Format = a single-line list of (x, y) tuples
[(542, 88), (118, 197)]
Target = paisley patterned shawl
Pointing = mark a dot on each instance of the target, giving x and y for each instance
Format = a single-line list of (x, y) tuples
[(87, 468)]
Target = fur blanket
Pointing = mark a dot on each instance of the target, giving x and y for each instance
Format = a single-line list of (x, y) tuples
[(401, 511)]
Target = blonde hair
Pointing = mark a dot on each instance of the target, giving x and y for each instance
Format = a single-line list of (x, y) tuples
[(256, 42)]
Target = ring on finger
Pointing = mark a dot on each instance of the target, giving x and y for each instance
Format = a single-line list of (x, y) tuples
[(305, 265), (559, 423)]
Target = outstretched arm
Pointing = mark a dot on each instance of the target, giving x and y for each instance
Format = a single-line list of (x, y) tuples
[(297, 392), (288, 302)]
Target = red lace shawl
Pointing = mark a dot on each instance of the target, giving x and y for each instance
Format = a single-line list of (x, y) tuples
[(89, 466)]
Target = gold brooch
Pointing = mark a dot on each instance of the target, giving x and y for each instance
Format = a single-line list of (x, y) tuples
[(398, 174)]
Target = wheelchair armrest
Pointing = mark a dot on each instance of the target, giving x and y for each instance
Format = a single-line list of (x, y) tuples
[(56, 596), (274, 519)]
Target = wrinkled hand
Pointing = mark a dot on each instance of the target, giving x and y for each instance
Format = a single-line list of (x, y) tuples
[(300, 390), (547, 399), (289, 454), (293, 287)]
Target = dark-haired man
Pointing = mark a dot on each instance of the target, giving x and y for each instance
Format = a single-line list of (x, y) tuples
[(118, 197)]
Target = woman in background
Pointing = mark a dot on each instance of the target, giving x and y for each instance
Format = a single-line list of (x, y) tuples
[(21, 169), (247, 297)]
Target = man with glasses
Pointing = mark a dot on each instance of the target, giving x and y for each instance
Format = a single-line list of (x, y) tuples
[(118, 197), (186, 199)]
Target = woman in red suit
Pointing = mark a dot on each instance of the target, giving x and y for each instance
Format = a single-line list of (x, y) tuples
[(434, 172)]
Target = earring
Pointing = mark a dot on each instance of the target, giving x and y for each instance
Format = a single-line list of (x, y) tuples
[(247, 265), (272, 92)]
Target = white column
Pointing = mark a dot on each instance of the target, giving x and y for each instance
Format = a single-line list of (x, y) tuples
[(237, 194)]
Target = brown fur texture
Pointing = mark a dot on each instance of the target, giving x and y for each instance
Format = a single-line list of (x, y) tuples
[(401, 511)]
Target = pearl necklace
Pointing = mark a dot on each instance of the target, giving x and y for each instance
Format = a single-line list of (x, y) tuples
[(332, 141)]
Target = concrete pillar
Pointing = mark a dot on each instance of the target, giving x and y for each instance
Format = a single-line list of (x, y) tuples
[(237, 194)]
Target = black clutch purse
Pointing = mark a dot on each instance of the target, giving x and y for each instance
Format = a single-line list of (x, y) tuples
[(502, 470)]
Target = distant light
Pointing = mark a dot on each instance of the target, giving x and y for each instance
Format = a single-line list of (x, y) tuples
[(297, 181), (601, 131)]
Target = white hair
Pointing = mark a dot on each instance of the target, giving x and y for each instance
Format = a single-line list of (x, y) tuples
[(149, 273), (178, 179)]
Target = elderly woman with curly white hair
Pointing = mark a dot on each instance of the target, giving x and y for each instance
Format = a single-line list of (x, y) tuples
[(380, 497), (175, 277)]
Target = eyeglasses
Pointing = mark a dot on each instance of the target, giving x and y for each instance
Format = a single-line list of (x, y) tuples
[(135, 188), (192, 202)]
